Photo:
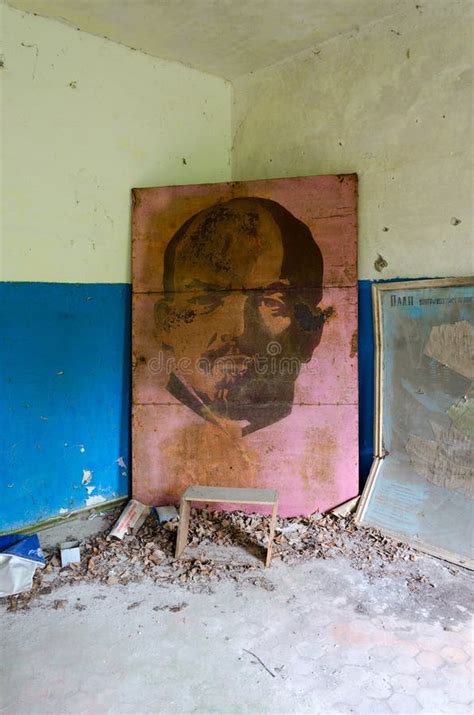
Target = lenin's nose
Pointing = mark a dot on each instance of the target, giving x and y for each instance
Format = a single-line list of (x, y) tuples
[(233, 326)]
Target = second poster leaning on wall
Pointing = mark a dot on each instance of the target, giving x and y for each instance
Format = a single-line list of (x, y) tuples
[(245, 340), (421, 485)]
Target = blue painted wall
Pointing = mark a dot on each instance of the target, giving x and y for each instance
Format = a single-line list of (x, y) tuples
[(366, 380), (65, 354)]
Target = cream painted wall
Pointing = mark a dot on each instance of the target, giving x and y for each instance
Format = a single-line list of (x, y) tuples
[(84, 120), (393, 103)]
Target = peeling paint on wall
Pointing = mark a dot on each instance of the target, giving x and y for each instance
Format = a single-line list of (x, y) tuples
[(380, 263), (86, 476), (97, 499)]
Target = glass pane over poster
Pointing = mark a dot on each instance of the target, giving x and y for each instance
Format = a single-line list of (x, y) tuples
[(421, 485)]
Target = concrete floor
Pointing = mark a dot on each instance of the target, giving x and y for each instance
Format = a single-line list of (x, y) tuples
[(334, 640)]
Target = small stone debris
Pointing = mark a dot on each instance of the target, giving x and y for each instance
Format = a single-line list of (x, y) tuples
[(133, 605), (150, 553), (173, 609)]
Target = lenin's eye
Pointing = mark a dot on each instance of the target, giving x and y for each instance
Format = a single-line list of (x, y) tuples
[(275, 304), (206, 302)]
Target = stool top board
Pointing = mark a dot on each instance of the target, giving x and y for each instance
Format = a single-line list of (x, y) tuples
[(235, 495)]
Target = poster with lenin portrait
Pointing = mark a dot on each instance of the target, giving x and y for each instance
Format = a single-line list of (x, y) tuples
[(245, 340)]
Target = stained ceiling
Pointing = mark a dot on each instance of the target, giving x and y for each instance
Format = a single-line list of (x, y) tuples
[(227, 38)]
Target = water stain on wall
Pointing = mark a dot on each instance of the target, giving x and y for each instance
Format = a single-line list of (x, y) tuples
[(354, 344), (204, 454), (318, 456)]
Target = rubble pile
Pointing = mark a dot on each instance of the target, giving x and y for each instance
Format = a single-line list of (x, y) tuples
[(316, 536), (150, 552)]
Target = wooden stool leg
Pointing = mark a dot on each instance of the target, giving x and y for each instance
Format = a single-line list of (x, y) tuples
[(271, 535), (182, 537)]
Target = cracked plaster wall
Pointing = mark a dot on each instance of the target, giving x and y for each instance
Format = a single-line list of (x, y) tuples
[(84, 120), (393, 103)]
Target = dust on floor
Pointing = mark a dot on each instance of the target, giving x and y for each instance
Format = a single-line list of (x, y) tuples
[(345, 620)]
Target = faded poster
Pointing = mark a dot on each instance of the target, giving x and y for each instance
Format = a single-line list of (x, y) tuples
[(245, 340), (425, 482)]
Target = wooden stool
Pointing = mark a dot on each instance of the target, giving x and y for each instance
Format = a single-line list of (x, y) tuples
[(228, 496)]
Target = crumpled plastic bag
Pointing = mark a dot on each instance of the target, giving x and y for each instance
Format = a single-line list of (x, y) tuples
[(20, 556)]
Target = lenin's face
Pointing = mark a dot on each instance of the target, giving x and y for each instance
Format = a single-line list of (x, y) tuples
[(240, 313)]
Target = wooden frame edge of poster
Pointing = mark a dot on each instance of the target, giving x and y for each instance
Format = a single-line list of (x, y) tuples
[(443, 554), (367, 491), (423, 283), (378, 359)]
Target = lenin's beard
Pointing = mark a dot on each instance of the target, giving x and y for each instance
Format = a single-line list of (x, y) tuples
[(252, 376), (249, 384)]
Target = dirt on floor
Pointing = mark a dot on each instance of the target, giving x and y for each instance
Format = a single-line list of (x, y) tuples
[(231, 546)]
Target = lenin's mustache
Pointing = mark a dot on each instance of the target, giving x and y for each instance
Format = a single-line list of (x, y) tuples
[(228, 355)]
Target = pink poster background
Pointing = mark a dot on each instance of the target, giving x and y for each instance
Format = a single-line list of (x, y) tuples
[(310, 456)]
